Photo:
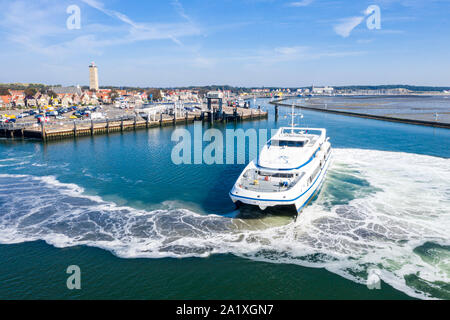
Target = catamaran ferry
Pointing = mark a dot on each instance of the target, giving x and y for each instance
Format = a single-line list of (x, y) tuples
[(289, 171)]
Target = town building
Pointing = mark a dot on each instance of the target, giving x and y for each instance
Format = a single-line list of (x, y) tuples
[(5, 102), (67, 90), (322, 90)]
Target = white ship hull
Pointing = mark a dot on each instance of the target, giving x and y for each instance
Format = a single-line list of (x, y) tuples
[(296, 197), (268, 189)]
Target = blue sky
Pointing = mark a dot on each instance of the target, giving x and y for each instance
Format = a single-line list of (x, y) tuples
[(245, 43)]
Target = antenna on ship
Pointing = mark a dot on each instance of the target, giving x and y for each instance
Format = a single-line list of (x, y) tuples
[(293, 114)]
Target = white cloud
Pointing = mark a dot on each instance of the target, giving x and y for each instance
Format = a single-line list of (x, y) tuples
[(288, 54), (364, 41), (302, 3), (202, 62), (144, 31), (43, 30), (180, 10), (100, 6), (346, 26), (290, 51)]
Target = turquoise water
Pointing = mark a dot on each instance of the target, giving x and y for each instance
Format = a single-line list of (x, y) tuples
[(140, 226)]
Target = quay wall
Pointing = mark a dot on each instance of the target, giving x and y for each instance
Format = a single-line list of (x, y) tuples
[(48, 132)]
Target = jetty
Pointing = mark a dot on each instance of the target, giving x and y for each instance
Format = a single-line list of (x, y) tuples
[(68, 128)]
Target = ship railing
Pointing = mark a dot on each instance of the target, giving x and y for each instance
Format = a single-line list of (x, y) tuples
[(255, 182)]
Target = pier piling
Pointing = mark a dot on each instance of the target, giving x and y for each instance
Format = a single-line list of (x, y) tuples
[(43, 130), (57, 130)]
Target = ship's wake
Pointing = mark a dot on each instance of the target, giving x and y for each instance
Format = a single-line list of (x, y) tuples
[(377, 209)]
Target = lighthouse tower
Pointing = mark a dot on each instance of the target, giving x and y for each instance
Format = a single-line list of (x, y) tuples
[(93, 77)]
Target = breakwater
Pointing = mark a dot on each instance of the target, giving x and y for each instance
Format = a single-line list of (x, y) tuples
[(438, 124)]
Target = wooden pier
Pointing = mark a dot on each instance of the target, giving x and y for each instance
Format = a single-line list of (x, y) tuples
[(77, 128)]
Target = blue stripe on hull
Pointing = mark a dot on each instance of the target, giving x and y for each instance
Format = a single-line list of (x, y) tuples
[(290, 169), (314, 193)]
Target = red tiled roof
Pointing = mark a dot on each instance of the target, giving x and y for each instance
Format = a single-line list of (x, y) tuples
[(6, 99), (17, 92)]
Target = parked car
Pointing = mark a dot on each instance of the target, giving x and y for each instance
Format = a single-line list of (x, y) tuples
[(42, 119)]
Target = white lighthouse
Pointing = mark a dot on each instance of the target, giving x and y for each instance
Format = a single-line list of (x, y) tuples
[(93, 77)]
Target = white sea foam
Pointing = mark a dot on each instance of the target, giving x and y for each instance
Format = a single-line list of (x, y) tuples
[(376, 209), (15, 161)]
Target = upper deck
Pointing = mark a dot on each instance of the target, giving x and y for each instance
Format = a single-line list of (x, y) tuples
[(291, 148)]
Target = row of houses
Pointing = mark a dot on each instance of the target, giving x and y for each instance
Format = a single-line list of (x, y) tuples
[(74, 95), (187, 95), (180, 95), (42, 100), (67, 96)]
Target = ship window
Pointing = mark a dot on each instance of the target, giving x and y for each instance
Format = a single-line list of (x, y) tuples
[(276, 175), (316, 171), (283, 175), (293, 144)]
